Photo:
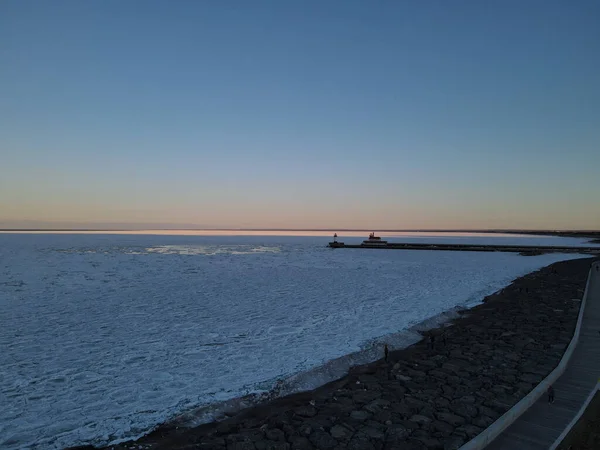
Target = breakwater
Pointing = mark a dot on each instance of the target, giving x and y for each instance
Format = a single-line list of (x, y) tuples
[(526, 249)]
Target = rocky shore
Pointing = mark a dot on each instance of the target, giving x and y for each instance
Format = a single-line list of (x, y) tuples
[(436, 394)]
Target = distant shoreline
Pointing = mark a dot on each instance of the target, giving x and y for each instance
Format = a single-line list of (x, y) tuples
[(561, 233), (592, 235)]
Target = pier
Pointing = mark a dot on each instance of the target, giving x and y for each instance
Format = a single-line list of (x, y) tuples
[(526, 249)]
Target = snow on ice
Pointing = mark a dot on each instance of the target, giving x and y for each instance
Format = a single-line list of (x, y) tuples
[(105, 336)]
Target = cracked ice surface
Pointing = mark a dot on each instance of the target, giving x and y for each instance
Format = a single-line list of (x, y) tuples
[(105, 336)]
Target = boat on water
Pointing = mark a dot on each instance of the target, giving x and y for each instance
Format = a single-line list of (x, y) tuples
[(374, 240)]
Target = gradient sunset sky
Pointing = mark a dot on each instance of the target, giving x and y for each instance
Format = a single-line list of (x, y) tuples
[(300, 114)]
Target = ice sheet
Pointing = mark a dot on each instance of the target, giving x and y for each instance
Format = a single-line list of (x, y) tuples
[(105, 336)]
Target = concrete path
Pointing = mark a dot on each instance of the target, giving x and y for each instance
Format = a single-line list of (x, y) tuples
[(543, 423)]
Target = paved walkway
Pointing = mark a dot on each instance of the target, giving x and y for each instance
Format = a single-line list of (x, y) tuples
[(543, 423)]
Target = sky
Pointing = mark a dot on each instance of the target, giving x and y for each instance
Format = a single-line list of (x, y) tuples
[(300, 114)]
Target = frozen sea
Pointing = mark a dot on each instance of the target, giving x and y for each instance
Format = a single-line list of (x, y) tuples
[(104, 336)]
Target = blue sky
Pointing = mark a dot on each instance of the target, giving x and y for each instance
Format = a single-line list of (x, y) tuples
[(300, 114)]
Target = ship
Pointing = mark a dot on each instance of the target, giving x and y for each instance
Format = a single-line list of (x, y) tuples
[(374, 241)]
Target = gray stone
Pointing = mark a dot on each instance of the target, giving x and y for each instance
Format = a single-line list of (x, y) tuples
[(418, 374), (377, 405), (373, 424), (454, 443), (322, 440), (373, 433), (305, 429), (204, 445), (400, 408), (290, 430), (448, 390), (420, 433), (500, 405), (246, 445), (500, 389), (360, 443), (427, 363), (431, 443), (463, 409), (441, 402), (427, 411), (319, 422), (450, 418), (306, 411), (340, 432), (363, 397), (485, 411), (451, 367), (245, 436), (395, 433), (415, 403), (421, 420), (442, 427), (469, 430), (271, 445), (275, 434), (360, 415), (226, 428), (300, 443), (453, 380), (438, 374), (383, 416), (483, 421), (531, 378), (524, 387), (368, 379)]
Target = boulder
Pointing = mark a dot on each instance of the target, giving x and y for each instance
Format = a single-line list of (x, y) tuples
[(454, 442), (450, 418), (306, 411), (300, 443), (442, 427), (340, 432), (363, 397), (361, 415), (275, 434), (396, 433), (271, 445), (421, 420), (377, 405), (322, 440), (372, 433)]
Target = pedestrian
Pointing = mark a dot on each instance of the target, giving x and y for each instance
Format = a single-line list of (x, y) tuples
[(431, 341), (386, 351), (550, 394)]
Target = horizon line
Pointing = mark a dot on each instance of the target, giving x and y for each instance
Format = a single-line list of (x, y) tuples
[(333, 230)]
